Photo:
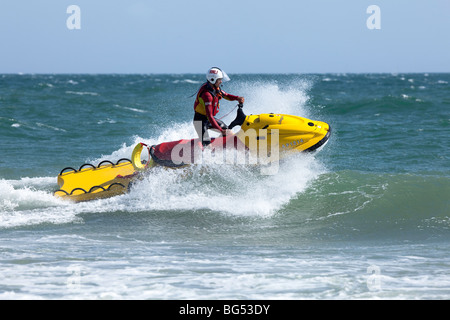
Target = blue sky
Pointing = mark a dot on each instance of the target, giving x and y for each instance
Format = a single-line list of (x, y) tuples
[(246, 36)]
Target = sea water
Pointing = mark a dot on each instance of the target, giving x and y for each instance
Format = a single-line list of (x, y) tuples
[(367, 217)]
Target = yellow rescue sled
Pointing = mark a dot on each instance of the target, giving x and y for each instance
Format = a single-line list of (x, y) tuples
[(105, 180), (94, 182)]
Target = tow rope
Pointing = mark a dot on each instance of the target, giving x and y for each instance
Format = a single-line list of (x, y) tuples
[(229, 112)]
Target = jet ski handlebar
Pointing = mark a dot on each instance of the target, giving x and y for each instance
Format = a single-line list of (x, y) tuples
[(240, 117)]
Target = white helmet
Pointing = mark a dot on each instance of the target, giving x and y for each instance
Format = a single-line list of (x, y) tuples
[(216, 73)]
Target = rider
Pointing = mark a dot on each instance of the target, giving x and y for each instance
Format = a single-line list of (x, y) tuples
[(206, 105)]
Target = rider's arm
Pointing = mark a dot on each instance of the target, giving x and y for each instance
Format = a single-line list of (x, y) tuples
[(229, 97), (208, 99)]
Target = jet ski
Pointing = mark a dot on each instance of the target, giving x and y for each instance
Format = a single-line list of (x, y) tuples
[(268, 138)]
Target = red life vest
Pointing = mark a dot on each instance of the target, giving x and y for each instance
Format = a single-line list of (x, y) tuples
[(200, 104)]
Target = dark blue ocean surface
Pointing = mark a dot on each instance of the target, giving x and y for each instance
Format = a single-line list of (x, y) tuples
[(367, 217)]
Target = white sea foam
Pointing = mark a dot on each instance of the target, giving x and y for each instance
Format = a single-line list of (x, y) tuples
[(43, 125), (82, 93), (24, 202), (187, 81), (270, 97), (230, 189), (130, 108)]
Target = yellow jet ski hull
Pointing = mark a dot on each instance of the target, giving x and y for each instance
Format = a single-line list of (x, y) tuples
[(289, 134)]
